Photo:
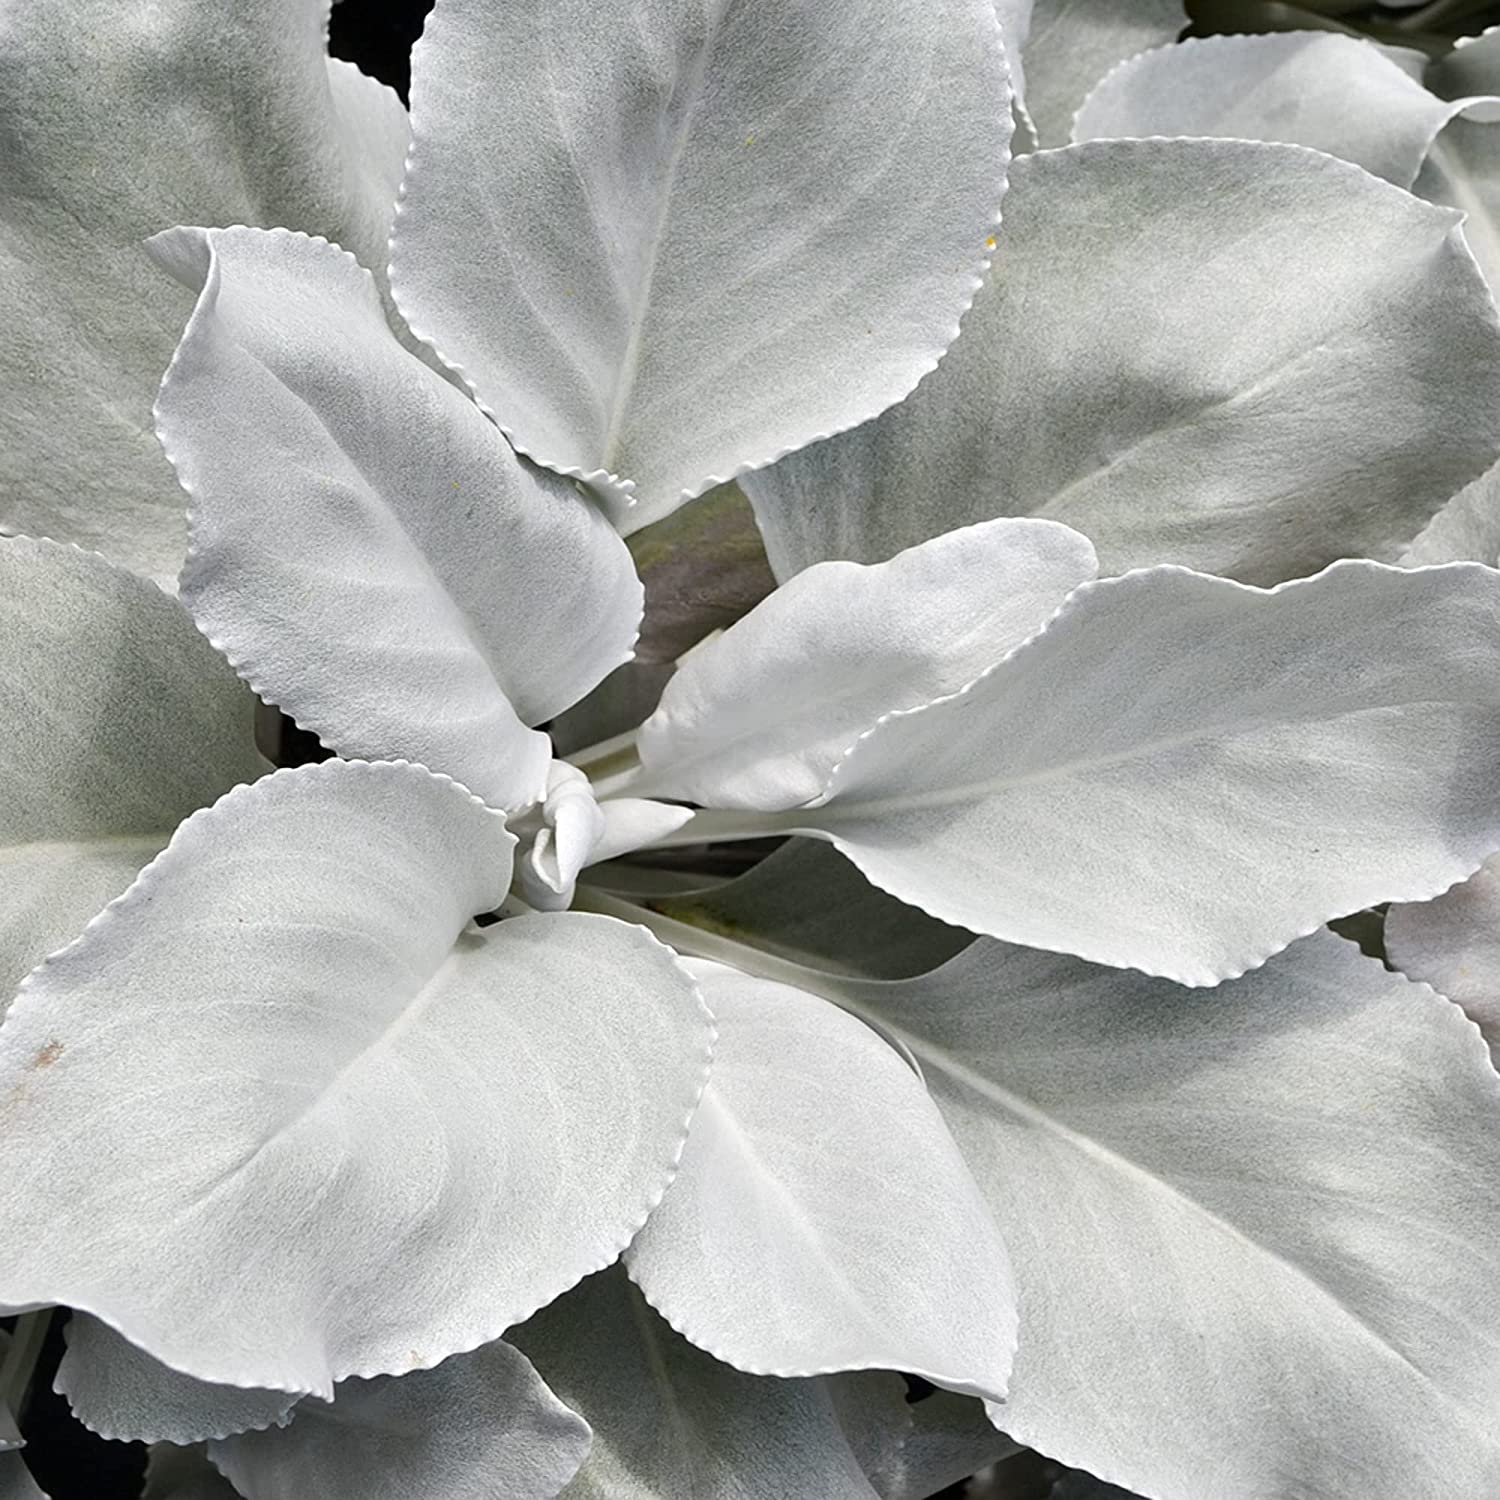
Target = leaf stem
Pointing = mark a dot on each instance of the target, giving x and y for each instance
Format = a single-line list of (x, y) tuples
[(716, 826)]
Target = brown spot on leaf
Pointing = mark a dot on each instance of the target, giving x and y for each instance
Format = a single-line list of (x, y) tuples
[(47, 1055)]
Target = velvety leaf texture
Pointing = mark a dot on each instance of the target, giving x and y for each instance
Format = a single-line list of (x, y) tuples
[(386, 1138), (1254, 1229), (372, 555), (478, 1427), (715, 231), (1247, 358), (120, 121), (1183, 774), (823, 1220), (119, 720), (670, 1423)]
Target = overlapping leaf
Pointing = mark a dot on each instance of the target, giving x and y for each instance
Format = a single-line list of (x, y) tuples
[(120, 121), (823, 1219), (119, 721), (1183, 774), (1243, 357), (1071, 44), (344, 1135), (1338, 94), (1255, 1229), (670, 1423), (670, 243), (120, 1392), (366, 548), (1453, 944), (478, 1426), (759, 717)]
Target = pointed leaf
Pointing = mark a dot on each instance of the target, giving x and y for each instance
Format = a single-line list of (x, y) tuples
[(667, 245), (120, 1392), (1183, 774), (670, 1423), (1072, 44), (759, 717), (1256, 1229), (1339, 94), (119, 720), (822, 1219), (478, 1426), (347, 1136), (1243, 357), (372, 556), (1453, 944), (120, 122)]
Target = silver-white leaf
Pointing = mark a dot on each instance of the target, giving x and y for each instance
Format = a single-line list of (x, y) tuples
[(1183, 774), (1453, 944), (119, 720), (120, 121), (669, 243), (759, 716), (671, 1423), (1071, 44), (1248, 358), (363, 544), (1256, 1230), (1339, 94), (822, 1219), (479, 1426), (347, 1136), (122, 1393)]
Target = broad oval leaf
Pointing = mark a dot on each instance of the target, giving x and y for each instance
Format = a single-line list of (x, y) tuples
[(1183, 774), (373, 557), (119, 720), (667, 244), (477, 1427), (823, 1220), (1453, 944), (122, 1393), (1339, 94), (1256, 1230), (759, 717), (348, 1137), (1071, 44), (1251, 359), (120, 121), (671, 1423)]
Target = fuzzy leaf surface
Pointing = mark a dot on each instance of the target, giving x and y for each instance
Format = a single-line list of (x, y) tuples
[(1246, 358), (120, 720), (363, 544), (1182, 774), (1254, 1228), (822, 1219), (669, 243), (349, 1133)]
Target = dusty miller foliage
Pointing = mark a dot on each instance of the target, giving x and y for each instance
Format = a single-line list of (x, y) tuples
[(874, 577)]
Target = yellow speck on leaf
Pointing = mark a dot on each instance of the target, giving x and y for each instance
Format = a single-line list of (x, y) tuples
[(749, 140), (989, 244)]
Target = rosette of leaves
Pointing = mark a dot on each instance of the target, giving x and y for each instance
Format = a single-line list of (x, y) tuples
[(420, 1123)]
